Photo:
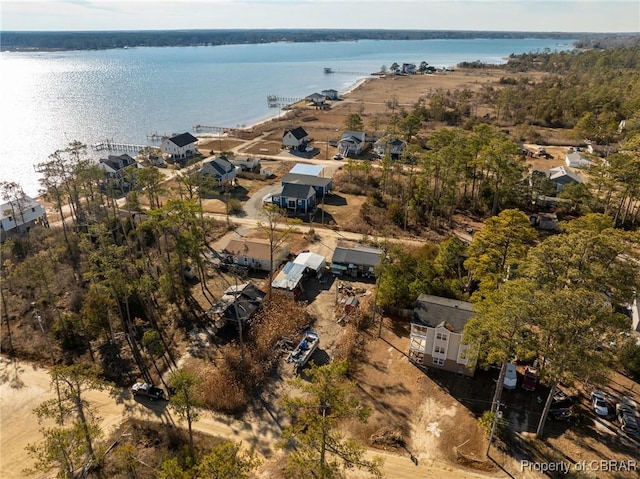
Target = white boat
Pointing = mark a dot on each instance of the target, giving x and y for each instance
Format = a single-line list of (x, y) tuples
[(304, 350)]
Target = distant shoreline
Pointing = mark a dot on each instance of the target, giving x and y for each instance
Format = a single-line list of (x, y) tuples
[(33, 42)]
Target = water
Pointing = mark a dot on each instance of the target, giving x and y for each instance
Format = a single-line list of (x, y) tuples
[(49, 99)]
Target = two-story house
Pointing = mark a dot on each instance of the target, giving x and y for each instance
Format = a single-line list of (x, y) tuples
[(296, 199), (19, 215), (352, 143), (295, 139), (393, 146), (435, 340), (180, 147), (119, 171), (322, 186)]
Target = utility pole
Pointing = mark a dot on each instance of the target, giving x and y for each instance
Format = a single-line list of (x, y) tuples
[(497, 417)]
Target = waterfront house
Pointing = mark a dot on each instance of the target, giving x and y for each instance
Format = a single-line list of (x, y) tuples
[(221, 169), (251, 165), (180, 147), (316, 99), (254, 253), (331, 94), (296, 199), (322, 186), (19, 215), (119, 171), (435, 340), (409, 68), (352, 143), (357, 261)]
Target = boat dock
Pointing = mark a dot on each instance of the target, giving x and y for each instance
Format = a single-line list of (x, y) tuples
[(275, 101), (210, 129), (110, 145)]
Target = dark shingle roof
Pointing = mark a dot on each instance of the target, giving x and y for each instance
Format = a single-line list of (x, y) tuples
[(183, 140), (359, 255), (433, 311), (299, 179), (291, 190), (221, 165), (299, 133)]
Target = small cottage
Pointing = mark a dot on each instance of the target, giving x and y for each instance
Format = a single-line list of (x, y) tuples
[(295, 139)]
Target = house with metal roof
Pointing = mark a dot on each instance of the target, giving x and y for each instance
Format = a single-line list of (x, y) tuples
[(19, 215), (435, 340), (180, 147), (576, 159), (238, 304), (295, 139), (560, 177), (290, 278), (307, 169), (357, 261)]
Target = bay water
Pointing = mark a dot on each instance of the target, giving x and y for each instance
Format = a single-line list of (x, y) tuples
[(48, 99)]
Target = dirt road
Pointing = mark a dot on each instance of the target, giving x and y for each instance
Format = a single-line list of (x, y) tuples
[(24, 386)]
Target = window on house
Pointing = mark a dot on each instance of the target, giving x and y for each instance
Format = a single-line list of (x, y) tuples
[(441, 336), (438, 361), (292, 204), (33, 209), (438, 350)]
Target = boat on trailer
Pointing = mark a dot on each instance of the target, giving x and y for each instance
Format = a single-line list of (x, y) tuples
[(304, 350)]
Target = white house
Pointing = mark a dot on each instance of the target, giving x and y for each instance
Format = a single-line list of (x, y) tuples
[(352, 143), (575, 159), (221, 169), (180, 147), (295, 139), (436, 334), (18, 215)]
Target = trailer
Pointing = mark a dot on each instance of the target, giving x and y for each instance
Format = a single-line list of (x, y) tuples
[(304, 350)]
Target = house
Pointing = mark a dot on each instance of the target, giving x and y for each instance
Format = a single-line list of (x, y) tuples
[(359, 260), (394, 146), (238, 304), (254, 253), (115, 168), (290, 278), (19, 215), (409, 68), (601, 150), (575, 159), (435, 340), (352, 143), (251, 165), (322, 186), (295, 198), (560, 177), (330, 94), (545, 221), (306, 169), (316, 99), (180, 147), (295, 139), (220, 168)]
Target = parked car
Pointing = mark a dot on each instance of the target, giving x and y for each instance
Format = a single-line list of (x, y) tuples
[(627, 403), (629, 424), (337, 156), (561, 401), (599, 403), (530, 380), (510, 377), (563, 414), (147, 390)]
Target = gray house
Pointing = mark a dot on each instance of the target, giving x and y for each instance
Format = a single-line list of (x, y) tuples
[(360, 260), (220, 168), (352, 143), (322, 186), (435, 340), (115, 168), (560, 177)]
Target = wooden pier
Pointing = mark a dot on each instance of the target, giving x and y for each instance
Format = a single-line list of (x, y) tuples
[(210, 129), (110, 145), (275, 101)]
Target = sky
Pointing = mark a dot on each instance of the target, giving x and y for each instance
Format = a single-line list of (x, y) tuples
[(480, 15)]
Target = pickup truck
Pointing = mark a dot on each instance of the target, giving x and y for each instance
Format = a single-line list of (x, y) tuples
[(147, 390)]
